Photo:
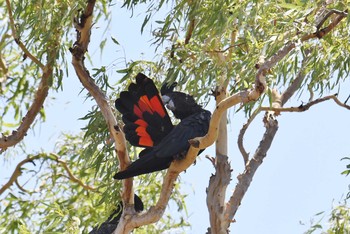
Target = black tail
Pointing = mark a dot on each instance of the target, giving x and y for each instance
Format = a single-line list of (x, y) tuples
[(143, 165)]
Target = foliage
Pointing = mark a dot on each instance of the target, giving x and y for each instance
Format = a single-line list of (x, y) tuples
[(347, 172), (338, 222), (213, 41), (206, 44), (51, 199)]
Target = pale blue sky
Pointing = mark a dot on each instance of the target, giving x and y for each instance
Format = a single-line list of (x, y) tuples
[(299, 177)]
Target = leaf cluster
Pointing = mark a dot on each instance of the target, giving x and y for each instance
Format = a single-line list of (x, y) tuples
[(210, 43)]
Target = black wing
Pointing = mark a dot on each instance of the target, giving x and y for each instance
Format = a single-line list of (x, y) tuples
[(145, 117)]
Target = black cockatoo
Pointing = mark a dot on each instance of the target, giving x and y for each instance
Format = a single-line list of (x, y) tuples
[(148, 125), (112, 222)]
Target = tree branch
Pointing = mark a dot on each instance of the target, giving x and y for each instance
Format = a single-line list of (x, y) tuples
[(245, 179), (17, 39), (130, 219), (307, 106), (18, 171), (80, 47), (252, 165), (190, 31), (321, 33), (40, 96), (241, 136), (83, 26), (290, 90), (71, 176), (221, 179), (21, 187)]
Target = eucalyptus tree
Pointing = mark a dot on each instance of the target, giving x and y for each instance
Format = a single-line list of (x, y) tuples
[(253, 55)]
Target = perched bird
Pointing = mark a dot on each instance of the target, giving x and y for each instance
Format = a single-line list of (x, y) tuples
[(148, 125), (112, 222)]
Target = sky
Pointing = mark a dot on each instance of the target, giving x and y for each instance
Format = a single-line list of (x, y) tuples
[(299, 177)]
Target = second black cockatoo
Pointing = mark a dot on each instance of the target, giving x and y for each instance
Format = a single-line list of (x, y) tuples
[(148, 125), (112, 222)]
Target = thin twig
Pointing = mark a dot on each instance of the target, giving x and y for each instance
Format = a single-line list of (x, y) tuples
[(294, 86), (328, 14), (18, 171), (321, 33), (21, 187), (189, 31), (17, 39), (226, 49), (242, 133), (71, 176), (307, 106), (347, 99)]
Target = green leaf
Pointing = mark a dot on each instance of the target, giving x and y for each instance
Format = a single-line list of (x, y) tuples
[(115, 41), (145, 21)]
